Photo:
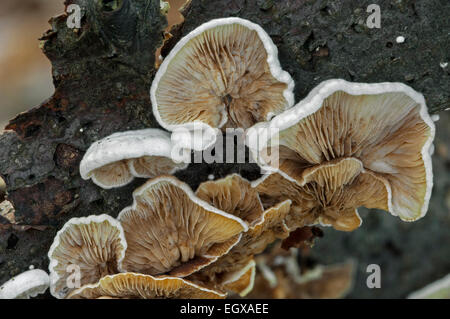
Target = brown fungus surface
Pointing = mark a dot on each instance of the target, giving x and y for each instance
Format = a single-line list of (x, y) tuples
[(387, 132), (124, 171), (279, 276), (234, 195), (170, 230), (241, 281), (139, 286), (85, 249), (152, 166), (112, 175), (328, 194), (271, 227), (225, 74)]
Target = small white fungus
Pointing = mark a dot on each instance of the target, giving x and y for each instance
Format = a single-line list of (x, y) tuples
[(400, 39), (25, 285)]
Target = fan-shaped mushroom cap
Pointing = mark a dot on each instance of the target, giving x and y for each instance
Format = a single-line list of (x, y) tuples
[(385, 125), (169, 229), (225, 73), (132, 285), (328, 194), (335, 281), (274, 188), (117, 159), (234, 195), (271, 226), (242, 280), (25, 285), (95, 246), (279, 276)]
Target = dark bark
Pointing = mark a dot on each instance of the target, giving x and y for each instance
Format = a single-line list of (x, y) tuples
[(103, 72)]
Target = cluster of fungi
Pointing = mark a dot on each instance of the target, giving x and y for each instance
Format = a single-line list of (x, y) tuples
[(344, 146)]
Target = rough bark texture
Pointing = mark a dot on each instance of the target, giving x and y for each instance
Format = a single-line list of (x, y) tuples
[(103, 72)]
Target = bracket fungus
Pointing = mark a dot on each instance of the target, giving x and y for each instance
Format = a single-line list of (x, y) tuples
[(170, 230), (25, 285), (328, 194), (235, 195), (87, 249), (386, 126), (132, 285), (241, 281), (225, 73), (279, 276), (116, 160)]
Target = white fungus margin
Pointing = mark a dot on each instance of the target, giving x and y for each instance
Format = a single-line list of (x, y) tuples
[(25, 285)]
